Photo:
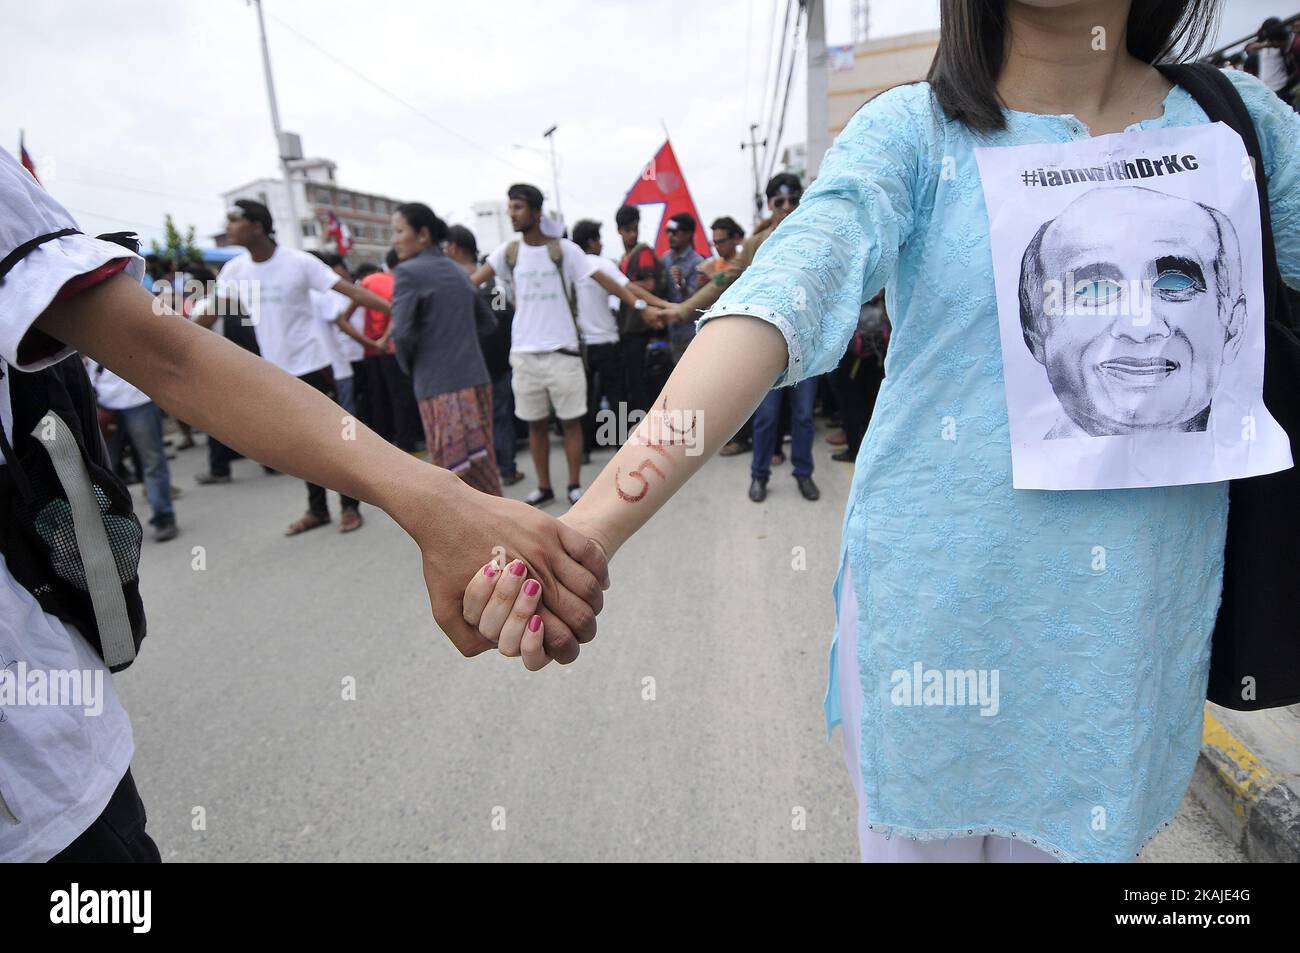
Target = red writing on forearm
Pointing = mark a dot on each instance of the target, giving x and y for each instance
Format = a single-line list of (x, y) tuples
[(651, 436)]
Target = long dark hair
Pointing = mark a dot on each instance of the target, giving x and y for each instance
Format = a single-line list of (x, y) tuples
[(972, 43), (420, 216)]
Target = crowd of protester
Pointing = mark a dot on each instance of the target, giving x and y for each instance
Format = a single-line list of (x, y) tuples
[(446, 351), (1273, 56)]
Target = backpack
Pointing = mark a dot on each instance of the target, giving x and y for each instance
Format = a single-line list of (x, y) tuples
[(1256, 638), (68, 531), (556, 253), (632, 321)]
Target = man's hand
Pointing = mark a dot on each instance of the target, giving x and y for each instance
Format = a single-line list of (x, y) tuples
[(455, 539), (501, 602), (660, 318)]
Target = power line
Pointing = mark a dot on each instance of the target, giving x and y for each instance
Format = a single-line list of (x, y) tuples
[(111, 218), (749, 57), (402, 102), (767, 62), (127, 188), (776, 83), (794, 50)]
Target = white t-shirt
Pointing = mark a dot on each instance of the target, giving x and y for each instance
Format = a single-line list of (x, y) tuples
[(542, 320), (598, 323), (276, 294), (58, 765), (112, 392), (328, 305), (1272, 68)]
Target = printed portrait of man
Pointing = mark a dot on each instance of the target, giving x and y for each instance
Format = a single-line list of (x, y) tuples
[(1132, 301)]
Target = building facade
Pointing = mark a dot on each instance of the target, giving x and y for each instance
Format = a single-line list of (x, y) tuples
[(316, 194)]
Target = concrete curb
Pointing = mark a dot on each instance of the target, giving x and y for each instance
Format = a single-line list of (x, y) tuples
[(1258, 806)]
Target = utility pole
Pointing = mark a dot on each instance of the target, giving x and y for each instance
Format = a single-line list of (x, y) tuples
[(861, 20), (752, 146), (294, 232), (817, 141), (549, 136)]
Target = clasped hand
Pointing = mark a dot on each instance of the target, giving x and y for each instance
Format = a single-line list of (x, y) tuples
[(502, 603)]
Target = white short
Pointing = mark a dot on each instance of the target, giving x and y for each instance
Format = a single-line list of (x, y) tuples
[(548, 380), (875, 847)]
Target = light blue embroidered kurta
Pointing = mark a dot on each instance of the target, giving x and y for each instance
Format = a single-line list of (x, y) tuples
[(1095, 608)]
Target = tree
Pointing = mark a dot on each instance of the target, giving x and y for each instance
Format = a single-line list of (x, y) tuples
[(179, 248)]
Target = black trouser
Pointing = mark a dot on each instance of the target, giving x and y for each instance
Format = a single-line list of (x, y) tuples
[(746, 432), (361, 391), (219, 457), (238, 331), (856, 382), (378, 399), (606, 378), (634, 346), (317, 504), (408, 429), (117, 836)]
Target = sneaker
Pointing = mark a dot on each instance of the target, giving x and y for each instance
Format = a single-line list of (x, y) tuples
[(510, 479), (166, 531), (208, 478), (575, 494), (540, 497)]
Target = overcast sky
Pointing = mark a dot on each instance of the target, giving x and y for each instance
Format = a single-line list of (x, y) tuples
[(134, 108)]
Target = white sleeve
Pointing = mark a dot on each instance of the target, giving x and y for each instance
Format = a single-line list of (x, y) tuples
[(228, 281), (607, 267), (27, 211), (320, 276), (498, 260), (577, 263)]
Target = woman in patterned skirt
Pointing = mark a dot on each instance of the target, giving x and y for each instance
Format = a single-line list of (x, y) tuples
[(437, 323)]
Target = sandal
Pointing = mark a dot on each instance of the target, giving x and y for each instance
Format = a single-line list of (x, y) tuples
[(350, 521), (306, 522)]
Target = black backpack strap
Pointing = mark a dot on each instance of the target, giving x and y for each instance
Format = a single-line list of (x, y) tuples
[(1216, 95), (25, 249)]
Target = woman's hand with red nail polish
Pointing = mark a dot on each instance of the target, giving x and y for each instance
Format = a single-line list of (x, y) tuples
[(502, 604)]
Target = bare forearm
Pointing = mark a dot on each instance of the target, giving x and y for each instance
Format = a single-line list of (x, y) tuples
[(699, 409), (365, 298), (644, 294), (243, 400)]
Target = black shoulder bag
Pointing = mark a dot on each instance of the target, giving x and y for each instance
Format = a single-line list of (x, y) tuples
[(1255, 656), (67, 528)]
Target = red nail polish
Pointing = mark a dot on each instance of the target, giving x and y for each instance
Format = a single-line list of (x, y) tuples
[(489, 570), (517, 567), (531, 587), (534, 623)]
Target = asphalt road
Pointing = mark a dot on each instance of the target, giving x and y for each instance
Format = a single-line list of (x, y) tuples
[(247, 749)]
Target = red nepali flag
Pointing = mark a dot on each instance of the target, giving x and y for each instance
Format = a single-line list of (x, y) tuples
[(25, 158), (341, 234), (661, 183)]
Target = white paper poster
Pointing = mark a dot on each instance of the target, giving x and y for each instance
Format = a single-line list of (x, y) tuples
[(1130, 305)]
